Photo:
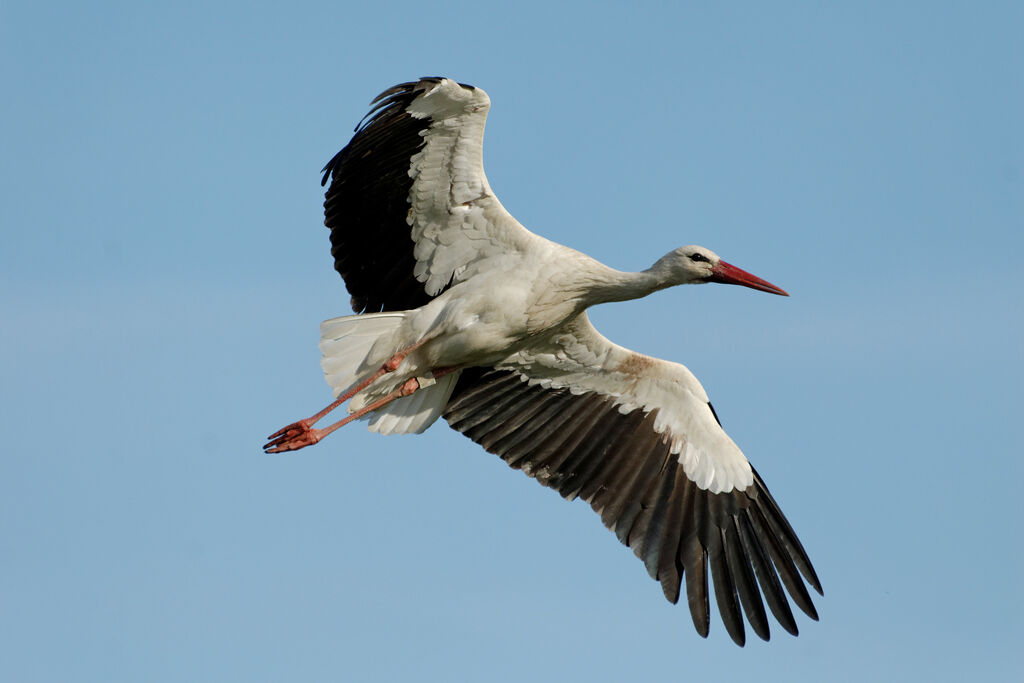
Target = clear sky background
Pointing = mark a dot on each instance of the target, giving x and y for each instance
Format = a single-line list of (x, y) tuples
[(164, 269)]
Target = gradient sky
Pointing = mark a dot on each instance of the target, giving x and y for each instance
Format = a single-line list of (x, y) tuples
[(164, 269)]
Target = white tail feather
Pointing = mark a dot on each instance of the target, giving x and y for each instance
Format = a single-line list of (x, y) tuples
[(346, 344), (350, 353)]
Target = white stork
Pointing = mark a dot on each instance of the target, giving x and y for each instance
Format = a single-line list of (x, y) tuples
[(465, 314)]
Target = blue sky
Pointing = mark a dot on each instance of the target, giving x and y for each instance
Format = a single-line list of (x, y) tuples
[(164, 271)]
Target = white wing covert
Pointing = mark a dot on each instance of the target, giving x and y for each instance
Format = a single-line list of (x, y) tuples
[(579, 358)]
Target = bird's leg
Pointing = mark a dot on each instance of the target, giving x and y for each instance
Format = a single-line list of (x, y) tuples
[(308, 436), (296, 429)]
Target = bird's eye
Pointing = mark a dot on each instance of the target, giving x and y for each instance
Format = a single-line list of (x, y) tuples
[(697, 258)]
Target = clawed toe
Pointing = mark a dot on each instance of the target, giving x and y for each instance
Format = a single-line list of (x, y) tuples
[(291, 438), (296, 427)]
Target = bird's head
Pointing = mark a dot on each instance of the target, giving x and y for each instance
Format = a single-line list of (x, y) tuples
[(696, 265)]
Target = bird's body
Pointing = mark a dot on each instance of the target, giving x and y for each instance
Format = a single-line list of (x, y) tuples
[(466, 314), (513, 302), (496, 312)]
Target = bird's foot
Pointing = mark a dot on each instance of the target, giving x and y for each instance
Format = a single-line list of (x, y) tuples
[(293, 437)]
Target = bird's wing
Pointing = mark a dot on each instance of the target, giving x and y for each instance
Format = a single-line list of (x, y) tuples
[(636, 438), (409, 207)]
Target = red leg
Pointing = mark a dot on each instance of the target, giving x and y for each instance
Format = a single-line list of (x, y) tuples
[(293, 440), (295, 429), (308, 437)]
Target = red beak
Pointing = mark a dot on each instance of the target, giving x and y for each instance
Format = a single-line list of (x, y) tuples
[(729, 274)]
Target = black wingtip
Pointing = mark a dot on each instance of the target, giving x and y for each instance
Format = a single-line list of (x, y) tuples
[(714, 414)]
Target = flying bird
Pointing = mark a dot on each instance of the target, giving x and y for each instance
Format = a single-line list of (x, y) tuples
[(462, 313)]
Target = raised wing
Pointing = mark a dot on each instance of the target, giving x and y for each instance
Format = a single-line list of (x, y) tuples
[(409, 207), (636, 438)]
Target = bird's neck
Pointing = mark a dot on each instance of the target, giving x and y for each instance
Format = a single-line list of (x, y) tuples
[(606, 284)]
